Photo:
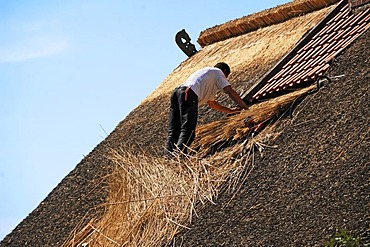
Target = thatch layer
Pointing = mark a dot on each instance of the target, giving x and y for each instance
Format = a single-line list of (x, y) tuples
[(249, 55), (144, 130), (262, 19)]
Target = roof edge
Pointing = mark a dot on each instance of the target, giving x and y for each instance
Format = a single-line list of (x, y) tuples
[(261, 19)]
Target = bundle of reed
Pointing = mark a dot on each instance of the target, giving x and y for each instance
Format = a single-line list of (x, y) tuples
[(261, 19), (232, 129)]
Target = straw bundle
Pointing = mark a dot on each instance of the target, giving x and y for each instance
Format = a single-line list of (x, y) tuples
[(232, 129), (259, 20)]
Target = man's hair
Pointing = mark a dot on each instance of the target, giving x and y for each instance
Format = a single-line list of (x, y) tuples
[(224, 67)]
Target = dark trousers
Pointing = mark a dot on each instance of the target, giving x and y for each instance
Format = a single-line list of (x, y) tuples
[(182, 119)]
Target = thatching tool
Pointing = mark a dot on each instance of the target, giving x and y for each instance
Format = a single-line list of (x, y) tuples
[(319, 84), (249, 122), (253, 126)]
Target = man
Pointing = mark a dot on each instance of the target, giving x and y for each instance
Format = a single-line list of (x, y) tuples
[(201, 87)]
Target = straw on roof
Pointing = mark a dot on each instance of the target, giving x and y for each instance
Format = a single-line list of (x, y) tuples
[(144, 130)]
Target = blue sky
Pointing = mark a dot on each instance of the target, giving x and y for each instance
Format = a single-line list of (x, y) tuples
[(71, 70)]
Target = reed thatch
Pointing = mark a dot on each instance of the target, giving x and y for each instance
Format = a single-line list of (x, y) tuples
[(262, 19), (249, 56), (133, 151)]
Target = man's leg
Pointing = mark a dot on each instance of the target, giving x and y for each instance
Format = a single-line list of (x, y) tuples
[(189, 117), (174, 124)]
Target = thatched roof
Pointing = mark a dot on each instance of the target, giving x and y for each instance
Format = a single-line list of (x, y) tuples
[(81, 201)]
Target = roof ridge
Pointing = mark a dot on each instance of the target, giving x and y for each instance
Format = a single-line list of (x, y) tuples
[(260, 19)]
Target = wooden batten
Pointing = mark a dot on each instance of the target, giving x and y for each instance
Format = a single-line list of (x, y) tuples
[(262, 19)]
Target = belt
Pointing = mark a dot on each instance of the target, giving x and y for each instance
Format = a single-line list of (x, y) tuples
[(187, 89)]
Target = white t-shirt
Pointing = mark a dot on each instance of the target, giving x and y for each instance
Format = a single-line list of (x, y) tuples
[(206, 83)]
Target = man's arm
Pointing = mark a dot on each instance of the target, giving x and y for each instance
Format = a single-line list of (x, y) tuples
[(216, 106), (235, 97)]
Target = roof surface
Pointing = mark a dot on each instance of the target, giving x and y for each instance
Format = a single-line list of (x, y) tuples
[(313, 55), (71, 203)]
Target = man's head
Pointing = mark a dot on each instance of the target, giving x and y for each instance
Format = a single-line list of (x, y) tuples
[(224, 67)]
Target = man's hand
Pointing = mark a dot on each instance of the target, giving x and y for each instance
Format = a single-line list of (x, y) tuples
[(235, 110)]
